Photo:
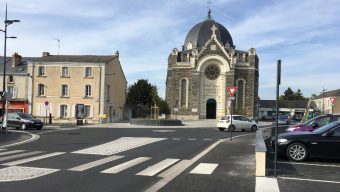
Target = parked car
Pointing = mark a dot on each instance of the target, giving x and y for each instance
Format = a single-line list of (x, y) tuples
[(23, 121), (314, 123), (240, 123), (283, 120), (267, 117), (299, 146)]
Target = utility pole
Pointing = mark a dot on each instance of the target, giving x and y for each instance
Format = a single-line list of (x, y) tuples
[(323, 99)]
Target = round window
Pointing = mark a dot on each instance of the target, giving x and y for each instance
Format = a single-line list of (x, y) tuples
[(212, 72)]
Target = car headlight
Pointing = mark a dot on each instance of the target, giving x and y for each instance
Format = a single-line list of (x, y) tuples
[(282, 141)]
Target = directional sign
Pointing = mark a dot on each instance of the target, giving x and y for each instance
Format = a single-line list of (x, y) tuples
[(232, 91), (332, 99)]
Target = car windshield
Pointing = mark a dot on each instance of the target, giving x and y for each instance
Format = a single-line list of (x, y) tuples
[(326, 127), (309, 122), (25, 116), (283, 117)]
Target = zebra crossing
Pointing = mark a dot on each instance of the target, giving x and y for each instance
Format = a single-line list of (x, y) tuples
[(13, 163)]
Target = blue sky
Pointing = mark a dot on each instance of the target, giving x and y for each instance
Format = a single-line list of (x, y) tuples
[(304, 34)]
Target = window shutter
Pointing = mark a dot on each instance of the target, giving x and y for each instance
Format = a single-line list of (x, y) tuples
[(68, 111)]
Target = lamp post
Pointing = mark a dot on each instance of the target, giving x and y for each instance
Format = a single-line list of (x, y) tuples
[(4, 98)]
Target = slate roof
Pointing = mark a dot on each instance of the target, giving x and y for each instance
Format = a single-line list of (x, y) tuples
[(20, 68), (75, 58), (333, 93), (284, 103)]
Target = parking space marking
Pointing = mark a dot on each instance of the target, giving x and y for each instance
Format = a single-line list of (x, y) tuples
[(204, 168), (33, 158), (95, 163), (312, 180), (309, 164)]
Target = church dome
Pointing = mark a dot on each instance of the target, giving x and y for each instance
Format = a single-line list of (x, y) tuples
[(201, 33)]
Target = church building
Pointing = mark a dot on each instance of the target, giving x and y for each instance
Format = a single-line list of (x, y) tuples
[(200, 73)]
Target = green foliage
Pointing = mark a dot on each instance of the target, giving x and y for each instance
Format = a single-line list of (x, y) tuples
[(289, 94), (141, 96)]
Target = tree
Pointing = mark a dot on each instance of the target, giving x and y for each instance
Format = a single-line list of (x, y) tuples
[(289, 94), (141, 96)]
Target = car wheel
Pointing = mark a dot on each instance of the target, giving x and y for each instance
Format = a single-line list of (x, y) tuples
[(253, 128), (231, 128), (221, 129), (297, 152), (23, 126), (38, 128)]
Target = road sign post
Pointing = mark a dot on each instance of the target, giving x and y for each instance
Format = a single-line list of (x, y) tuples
[(232, 90), (278, 82)]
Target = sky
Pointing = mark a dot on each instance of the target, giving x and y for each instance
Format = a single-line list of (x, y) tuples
[(303, 34)]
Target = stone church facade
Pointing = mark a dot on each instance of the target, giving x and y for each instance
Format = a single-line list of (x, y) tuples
[(199, 74)]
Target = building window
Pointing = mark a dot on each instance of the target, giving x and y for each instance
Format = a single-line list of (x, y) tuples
[(87, 111), (212, 72), (11, 90), (184, 86), (63, 111), (88, 72), (64, 90), (240, 94), (64, 72), (41, 71), (41, 89), (88, 91), (10, 79)]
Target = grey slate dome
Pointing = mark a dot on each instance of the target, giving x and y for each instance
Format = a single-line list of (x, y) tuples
[(202, 32)]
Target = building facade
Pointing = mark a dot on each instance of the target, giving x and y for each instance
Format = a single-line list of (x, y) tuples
[(60, 82), (16, 83), (199, 74), (324, 104)]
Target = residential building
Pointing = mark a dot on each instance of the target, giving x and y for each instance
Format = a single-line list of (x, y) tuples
[(60, 82), (324, 104)]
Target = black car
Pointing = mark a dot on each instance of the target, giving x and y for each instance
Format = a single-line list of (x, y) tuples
[(323, 142), (23, 121)]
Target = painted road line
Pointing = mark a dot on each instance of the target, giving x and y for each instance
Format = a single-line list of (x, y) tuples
[(20, 155), (33, 158), (174, 171), (11, 152), (207, 139), (308, 164), (312, 180), (119, 145), (2, 149), (204, 168), (265, 184), (153, 170), (176, 139), (95, 163), (18, 173), (192, 139), (126, 165), (33, 138), (163, 131)]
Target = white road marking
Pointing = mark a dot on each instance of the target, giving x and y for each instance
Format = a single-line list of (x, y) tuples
[(309, 164), (33, 138), (176, 139), (2, 149), (119, 145), (95, 163), (153, 170), (204, 168), (11, 152), (126, 165), (20, 155), (174, 171), (192, 139), (163, 131), (265, 184), (33, 158), (313, 180), (207, 139), (17, 173)]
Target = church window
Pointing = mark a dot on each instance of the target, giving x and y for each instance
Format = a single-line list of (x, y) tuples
[(184, 87), (240, 94), (212, 72)]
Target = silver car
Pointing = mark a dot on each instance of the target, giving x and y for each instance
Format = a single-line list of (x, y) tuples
[(240, 123)]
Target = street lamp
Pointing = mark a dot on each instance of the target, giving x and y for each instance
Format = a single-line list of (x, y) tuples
[(7, 22)]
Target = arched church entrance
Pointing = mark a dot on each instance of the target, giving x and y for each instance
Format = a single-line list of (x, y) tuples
[(211, 109)]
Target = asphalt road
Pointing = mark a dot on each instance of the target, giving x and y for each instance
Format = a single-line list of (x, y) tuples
[(131, 159)]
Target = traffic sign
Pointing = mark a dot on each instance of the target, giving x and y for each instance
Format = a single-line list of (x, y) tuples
[(332, 99), (232, 91), (46, 103)]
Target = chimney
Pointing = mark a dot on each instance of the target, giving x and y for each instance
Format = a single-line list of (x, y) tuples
[(45, 54), (16, 59)]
